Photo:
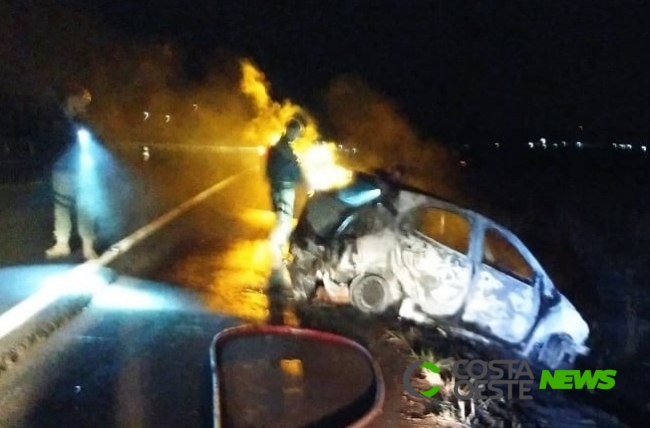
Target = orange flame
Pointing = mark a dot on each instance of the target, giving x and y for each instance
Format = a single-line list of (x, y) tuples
[(318, 161)]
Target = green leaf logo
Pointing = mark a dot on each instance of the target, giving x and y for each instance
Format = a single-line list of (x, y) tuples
[(434, 390)]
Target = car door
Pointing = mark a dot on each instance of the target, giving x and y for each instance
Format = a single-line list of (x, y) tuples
[(504, 297), (433, 264)]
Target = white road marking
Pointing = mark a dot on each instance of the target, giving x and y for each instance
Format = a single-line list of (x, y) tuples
[(67, 283)]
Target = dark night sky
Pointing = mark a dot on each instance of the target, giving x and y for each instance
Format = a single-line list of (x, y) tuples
[(470, 65)]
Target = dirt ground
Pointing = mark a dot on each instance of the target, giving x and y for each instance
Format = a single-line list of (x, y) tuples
[(235, 281), (395, 345)]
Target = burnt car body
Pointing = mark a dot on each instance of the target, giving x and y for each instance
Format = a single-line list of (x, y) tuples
[(381, 245)]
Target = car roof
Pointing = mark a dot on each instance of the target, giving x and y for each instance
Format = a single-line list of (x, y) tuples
[(460, 208), (416, 190)]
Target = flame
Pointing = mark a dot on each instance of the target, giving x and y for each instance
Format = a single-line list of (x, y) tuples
[(318, 160), (254, 85), (270, 116), (321, 167)]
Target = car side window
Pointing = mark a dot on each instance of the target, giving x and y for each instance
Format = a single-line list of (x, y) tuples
[(501, 254), (446, 227)]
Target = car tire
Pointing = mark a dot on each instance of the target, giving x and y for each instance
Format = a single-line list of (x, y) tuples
[(369, 293), (552, 354)]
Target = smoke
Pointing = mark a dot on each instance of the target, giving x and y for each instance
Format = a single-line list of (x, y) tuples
[(140, 89), (233, 106), (366, 119), (269, 116), (141, 93)]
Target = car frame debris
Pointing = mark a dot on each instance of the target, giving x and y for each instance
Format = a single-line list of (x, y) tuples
[(379, 245)]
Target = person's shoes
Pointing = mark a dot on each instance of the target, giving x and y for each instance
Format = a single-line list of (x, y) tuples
[(58, 250), (89, 252)]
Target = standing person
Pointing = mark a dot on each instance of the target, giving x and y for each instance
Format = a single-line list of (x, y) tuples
[(283, 173), (71, 140)]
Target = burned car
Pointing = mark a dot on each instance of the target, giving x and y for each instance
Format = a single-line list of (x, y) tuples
[(378, 246)]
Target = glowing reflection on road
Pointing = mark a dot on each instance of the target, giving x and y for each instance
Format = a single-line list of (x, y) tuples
[(232, 281)]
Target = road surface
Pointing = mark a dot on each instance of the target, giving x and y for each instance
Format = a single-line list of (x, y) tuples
[(137, 356)]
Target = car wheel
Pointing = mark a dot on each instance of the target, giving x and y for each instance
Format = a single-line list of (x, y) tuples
[(369, 293), (553, 353)]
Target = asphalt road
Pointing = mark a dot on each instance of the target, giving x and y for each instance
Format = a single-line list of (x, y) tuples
[(138, 356)]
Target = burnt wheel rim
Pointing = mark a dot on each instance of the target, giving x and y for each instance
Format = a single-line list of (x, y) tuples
[(369, 294)]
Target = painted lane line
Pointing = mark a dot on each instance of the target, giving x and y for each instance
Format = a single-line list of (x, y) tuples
[(79, 277), (145, 231)]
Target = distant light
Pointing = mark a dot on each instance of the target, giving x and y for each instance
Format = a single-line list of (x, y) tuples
[(644, 148), (497, 145), (167, 118), (555, 145), (261, 150), (196, 106), (543, 140), (84, 138), (564, 143), (579, 144), (531, 145), (463, 163), (629, 146), (146, 115)]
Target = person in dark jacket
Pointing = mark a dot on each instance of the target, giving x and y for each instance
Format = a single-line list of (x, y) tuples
[(70, 139), (283, 173)]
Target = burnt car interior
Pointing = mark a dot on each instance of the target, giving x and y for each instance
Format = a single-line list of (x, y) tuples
[(347, 213), (500, 254), (444, 227)]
